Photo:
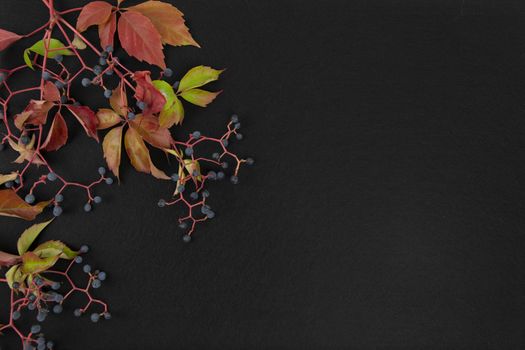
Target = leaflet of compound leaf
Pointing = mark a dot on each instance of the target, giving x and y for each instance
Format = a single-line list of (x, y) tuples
[(39, 285), (140, 114)]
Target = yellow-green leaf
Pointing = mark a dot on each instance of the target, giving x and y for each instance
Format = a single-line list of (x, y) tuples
[(29, 235), (31, 263), (173, 111), (14, 274), (198, 76), (55, 48), (199, 97), (50, 248)]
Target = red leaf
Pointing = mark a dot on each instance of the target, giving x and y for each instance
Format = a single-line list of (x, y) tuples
[(57, 136), (140, 39), (34, 114), (119, 100), (106, 31), (7, 38), (12, 205), (7, 259), (87, 119), (148, 94), (51, 92), (96, 12), (148, 127), (168, 21)]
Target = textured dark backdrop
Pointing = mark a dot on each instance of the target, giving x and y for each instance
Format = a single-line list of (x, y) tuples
[(386, 207)]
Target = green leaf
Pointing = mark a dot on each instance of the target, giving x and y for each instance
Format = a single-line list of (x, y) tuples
[(199, 97), (55, 47), (28, 236), (14, 274), (173, 111), (198, 76), (54, 248), (31, 263)]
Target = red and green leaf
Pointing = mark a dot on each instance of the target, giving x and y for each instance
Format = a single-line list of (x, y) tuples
[(119, 100), (94, 13), (139, 155), (149, 129), (34, 114), (199, 97), (106, 31), (112, 146), (197, 77), (147, 93), (87, 118), (107, 118)]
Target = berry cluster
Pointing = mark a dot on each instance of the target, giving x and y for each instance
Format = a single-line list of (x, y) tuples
[(190, 190)]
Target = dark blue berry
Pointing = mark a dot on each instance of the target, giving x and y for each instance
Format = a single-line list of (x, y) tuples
[(107, 316), (59, 84), (183, 225), (58, 308), (102, 61), (239, 137), (87, 207), (24, 139), (225, 142), (220, 175), (30, 198), (78, 259), (57, 210), (16, 315), (234, 180), (35, 328), (181, 188), (51, 176), (237, 126), (96, 283), (131, 116), (188, 151), (102, 170), (97, 199), (107, 93), (84, 249), (86, 268), (250, 161), (176, 85), (109, 181), (168, 72), (46, 76), (97, 69), (235, 118), (86, 82), (77, 312), (109, 48), (186, 238), (212, 175), (196, 134), (59, 58), (109, 72), (161, 203), (194, 195), (95, 317), (102, 276), (175, 177)]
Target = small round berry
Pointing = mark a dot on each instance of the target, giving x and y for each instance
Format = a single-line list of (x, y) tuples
[(16, 285), (188, 151), (59, 298), (109, 48), (24, 139), (94, 317), (32, 297), (63, 99), (41, 340), (181, 188), (183, 225), (224, 165), (50, 345), (30, 198), (107, 93), (77, 312), (102, 171), (194, 195), (16, 315), (57, 309), (205, 194), (31, 306), (78, 260), (237, 126), (55, 286), (196, 134), (234, 180), (215, 155), (59, 58), (220, 175), (250, 161), (186, 238), (57, 210), (9, 184), (84, 249), (212, 175), (235, 118), (41, 346), (86, 82), (87, 207), (109, 72), (109, 181), (102, 61), (86, 268), (210, 214), (176, 85), (102, 276), (46, 76), (131, 116), (175, 177), (97, 199), (35, 328), (41, 316), (168, 72), (161, 203), (239, 137), (96, 283), (52, 176), (141, 105), (225, 142), (59, 84), (97, 69), (107, 316), (38, 281)]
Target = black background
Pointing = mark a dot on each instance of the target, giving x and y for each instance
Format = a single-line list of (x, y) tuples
[(386, 207)]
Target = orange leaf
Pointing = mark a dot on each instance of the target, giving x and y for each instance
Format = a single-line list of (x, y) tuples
[(51, 92), (12, 205), (148, 127), (86, 118), (7, 38), (168, 21), (34, 114), (119, 100), (147, 93), (140, 39), (107, 118), (139, 155), (106, 31), (96, 12), (112, 146), (57, 136)]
